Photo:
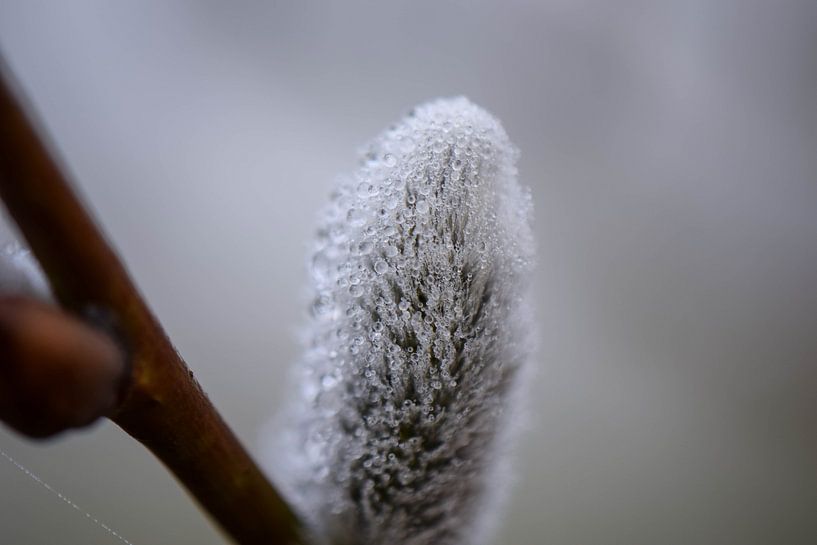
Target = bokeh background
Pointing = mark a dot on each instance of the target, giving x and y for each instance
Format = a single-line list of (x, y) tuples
[(672, 152)]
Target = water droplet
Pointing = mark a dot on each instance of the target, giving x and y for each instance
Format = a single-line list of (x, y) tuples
[(321, 306), (337, 235), (321, 267), (328, 381), (356, 216), (364, 189), (380, 267), (390, 250), (364, 247)]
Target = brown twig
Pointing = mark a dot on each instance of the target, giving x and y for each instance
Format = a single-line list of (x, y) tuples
[(163, 406)]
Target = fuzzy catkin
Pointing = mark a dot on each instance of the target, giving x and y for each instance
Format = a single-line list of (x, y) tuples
[(418, 326)]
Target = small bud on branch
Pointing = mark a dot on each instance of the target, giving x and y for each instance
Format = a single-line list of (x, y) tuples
[(56, 372)]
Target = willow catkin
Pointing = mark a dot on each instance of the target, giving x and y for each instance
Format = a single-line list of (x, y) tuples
[(419, 325)]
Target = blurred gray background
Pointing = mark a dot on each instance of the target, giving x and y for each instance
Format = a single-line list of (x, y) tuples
[(672, 152)]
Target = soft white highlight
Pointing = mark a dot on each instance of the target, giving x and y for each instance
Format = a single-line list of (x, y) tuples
[(419, 325), (20, 273)]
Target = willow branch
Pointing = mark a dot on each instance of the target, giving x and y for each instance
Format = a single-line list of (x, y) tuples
[(162, 405)]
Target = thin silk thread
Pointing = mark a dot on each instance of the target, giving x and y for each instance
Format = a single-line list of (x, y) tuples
[(64, 498)]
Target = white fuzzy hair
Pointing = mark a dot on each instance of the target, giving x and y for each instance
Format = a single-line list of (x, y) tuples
[(419, 324)]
